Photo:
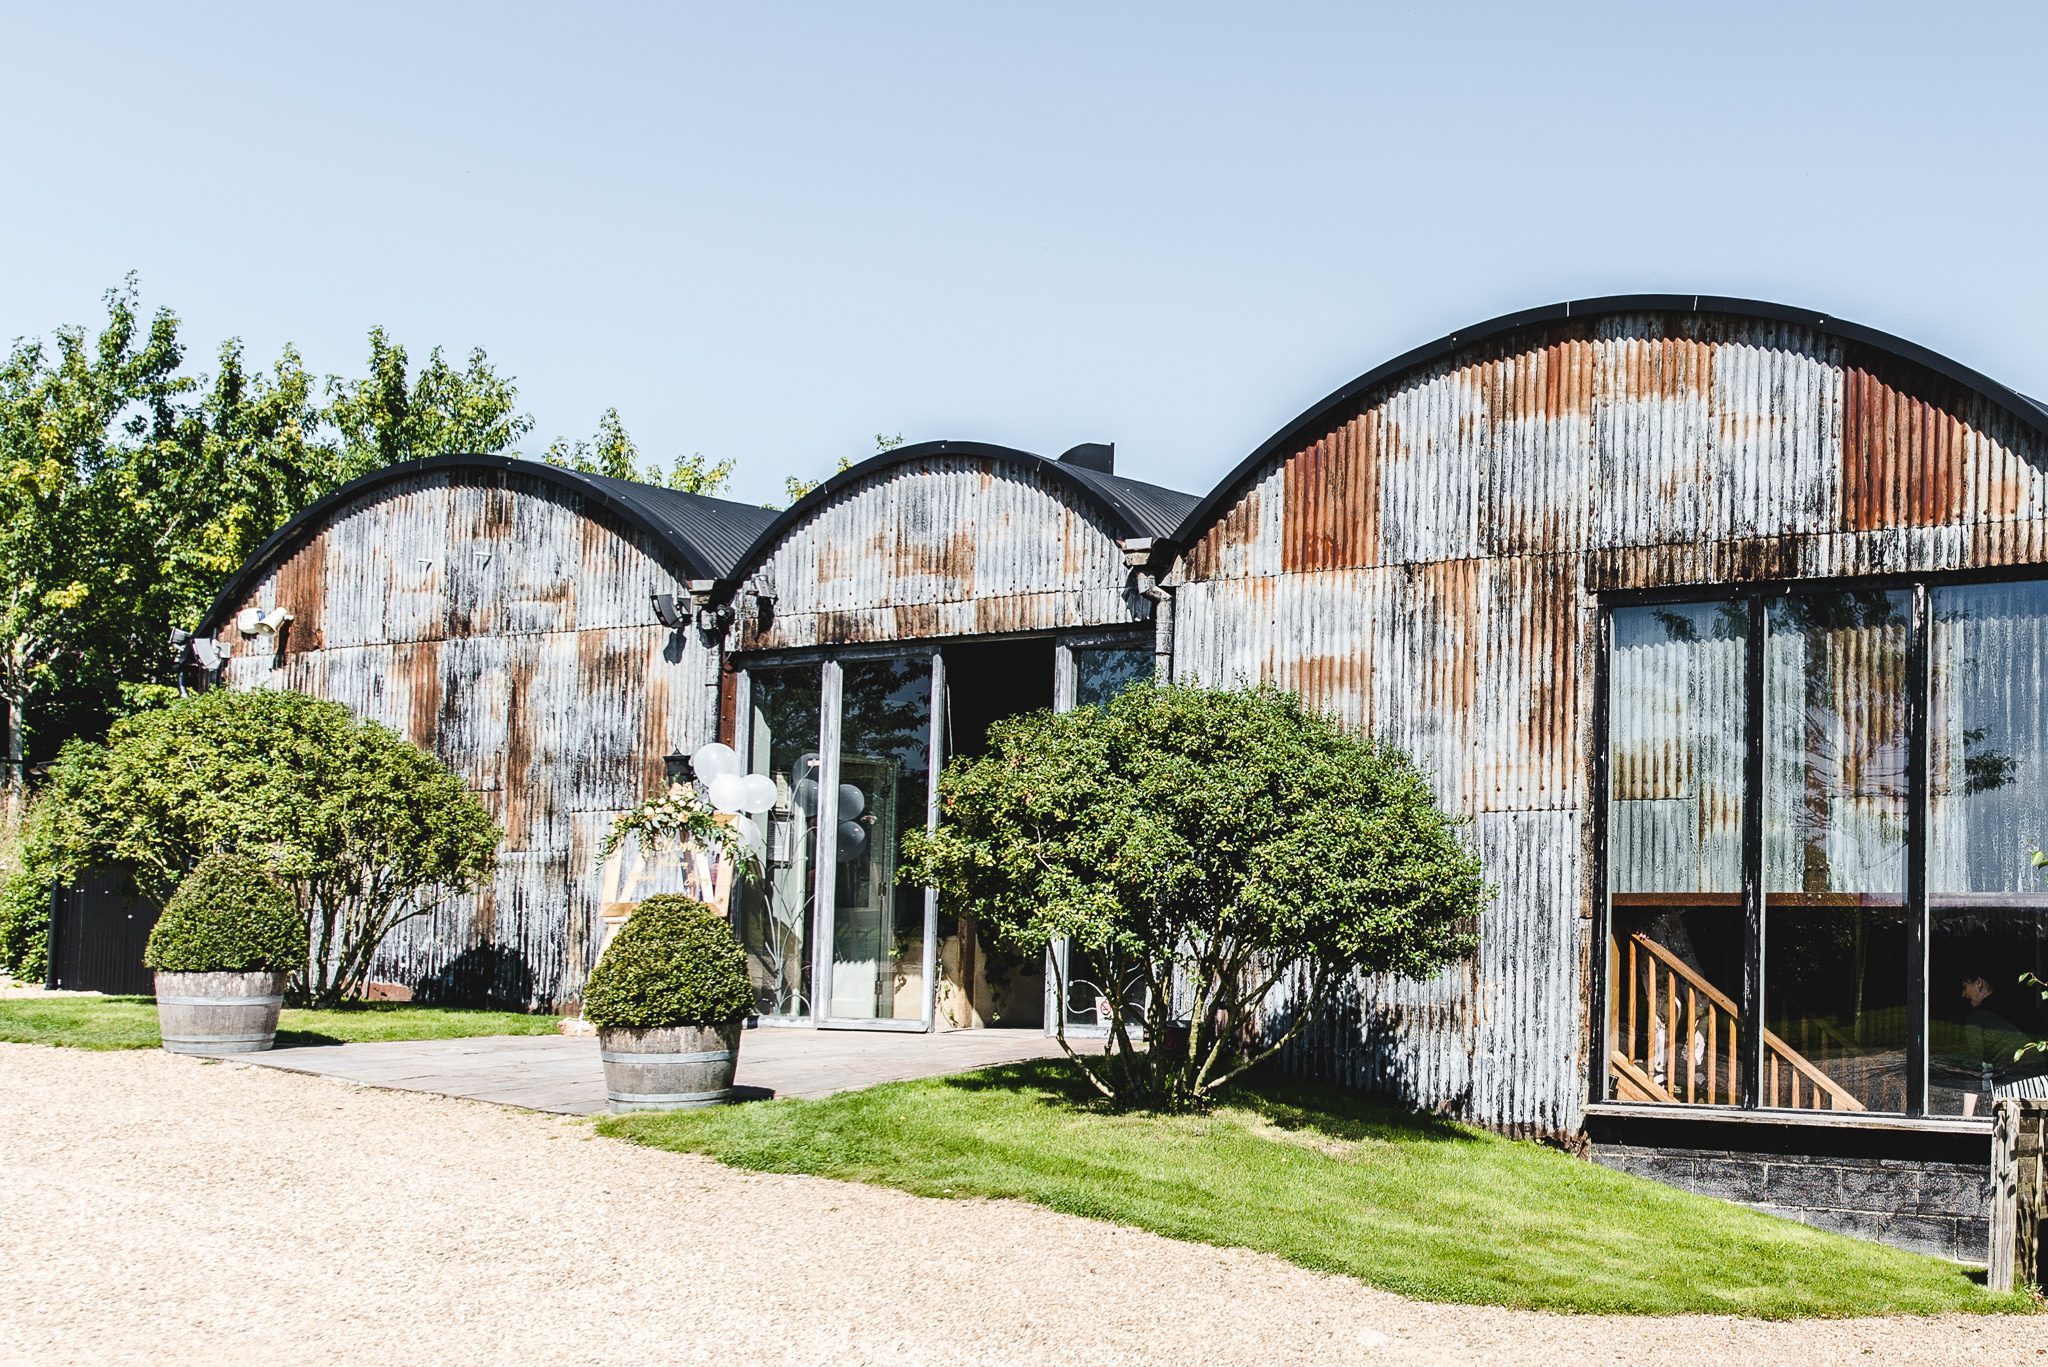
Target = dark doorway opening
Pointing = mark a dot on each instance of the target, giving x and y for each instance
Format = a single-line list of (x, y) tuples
[(984, 984), (990, 681)]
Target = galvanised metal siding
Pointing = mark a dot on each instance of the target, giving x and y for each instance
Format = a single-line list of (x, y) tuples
[(944, 546), (1424, 563), (504, 624)]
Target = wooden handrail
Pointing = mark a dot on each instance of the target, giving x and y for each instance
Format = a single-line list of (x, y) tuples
[(1639, 1076)]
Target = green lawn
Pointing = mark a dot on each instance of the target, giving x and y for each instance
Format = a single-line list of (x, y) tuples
[(1331, 1181), (130, 1023)]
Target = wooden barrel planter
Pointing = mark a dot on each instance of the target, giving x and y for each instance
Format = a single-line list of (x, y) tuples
[(677, 1068), (218, 1013)]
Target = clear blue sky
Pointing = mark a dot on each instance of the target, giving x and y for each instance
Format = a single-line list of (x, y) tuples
[(770, 232)]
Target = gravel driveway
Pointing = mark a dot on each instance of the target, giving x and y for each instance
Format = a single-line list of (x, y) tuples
[(158, 1208)]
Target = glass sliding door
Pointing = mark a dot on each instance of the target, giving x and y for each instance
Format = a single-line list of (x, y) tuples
[(1987, 814), (1677, 737), (777, 908), (1836, 939), (879, 964)]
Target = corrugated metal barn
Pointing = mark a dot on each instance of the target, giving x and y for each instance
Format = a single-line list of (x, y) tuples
[(498, 612), (1726, 624), (1714, 617)]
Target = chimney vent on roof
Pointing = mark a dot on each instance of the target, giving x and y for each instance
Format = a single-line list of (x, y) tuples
[(1092, 455)]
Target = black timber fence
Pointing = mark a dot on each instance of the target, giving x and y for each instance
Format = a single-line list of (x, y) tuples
[(98, 928)]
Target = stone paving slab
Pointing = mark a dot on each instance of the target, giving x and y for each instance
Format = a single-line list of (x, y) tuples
[(562, 1073)]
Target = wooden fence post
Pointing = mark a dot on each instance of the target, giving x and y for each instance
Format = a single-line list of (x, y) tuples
[(2019, 1192)]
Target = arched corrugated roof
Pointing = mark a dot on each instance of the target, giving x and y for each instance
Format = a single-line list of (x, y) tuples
[(707, 536), (1131, 507), (2028, 411)]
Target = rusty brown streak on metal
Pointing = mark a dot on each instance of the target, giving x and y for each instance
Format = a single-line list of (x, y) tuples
[(302, 591), (1903, 448)]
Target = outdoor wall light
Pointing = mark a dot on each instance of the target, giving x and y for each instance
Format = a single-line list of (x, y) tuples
[(665, 610), (256, 622)]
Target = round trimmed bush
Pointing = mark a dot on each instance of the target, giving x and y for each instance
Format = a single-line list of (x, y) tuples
[(228, 916), (674, 962)]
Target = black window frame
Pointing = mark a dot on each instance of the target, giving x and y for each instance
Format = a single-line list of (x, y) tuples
[(1757, 595)]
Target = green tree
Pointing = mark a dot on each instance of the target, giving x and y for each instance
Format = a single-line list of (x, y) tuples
[(82, 420), (612, 454), (389, 416), (367, 830), (1206, 845), (794, 489), (130, 488)]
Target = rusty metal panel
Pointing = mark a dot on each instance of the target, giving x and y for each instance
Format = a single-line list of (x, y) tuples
[(1640, 431), (1496, 1039), (1471, 666), (951, 545), (506, 626)]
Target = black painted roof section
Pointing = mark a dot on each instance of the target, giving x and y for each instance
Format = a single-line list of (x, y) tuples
[(1160, 510), (1132, 508), (706, 536), (716, 530), (2028, 411)]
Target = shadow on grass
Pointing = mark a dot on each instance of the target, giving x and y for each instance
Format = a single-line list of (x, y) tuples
[(1283, 1102)]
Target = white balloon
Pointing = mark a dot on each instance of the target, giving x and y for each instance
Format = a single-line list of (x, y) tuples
[(852, 836), (760, 794), (728, 791), (748, 831), (714, 759), (806, 795), (852, 802)]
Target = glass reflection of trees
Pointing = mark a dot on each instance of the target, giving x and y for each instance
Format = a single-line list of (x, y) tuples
[(777, 910), (1102, 672), (885, 737)]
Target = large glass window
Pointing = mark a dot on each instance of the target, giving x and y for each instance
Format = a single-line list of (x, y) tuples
[(777, 911), (1836, 949), (1822, 814), (1676, 740), (1987, 814), (878, 921)]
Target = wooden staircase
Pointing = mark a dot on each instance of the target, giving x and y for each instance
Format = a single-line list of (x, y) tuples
[(1673, 1036)]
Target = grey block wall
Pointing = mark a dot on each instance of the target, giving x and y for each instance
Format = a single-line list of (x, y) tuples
[(1928, 1204)]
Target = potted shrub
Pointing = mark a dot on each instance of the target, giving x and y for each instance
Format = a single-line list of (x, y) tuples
[(668, 998), (222, 949)]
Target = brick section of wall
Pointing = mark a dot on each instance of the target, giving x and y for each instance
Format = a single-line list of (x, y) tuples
[(1936, 1207)]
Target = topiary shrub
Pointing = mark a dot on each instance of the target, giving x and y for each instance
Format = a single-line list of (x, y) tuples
[(674, 962), (228, 916), (365, 829), (1203, 846)]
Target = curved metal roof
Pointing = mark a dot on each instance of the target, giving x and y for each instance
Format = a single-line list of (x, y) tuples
[(2028, 411), (707, 536), (1132, 507)]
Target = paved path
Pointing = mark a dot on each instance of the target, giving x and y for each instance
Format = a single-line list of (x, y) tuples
[(163, 1209), (563, 1074)]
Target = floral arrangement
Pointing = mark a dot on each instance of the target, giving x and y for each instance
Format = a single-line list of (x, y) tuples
[(680, 817)]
